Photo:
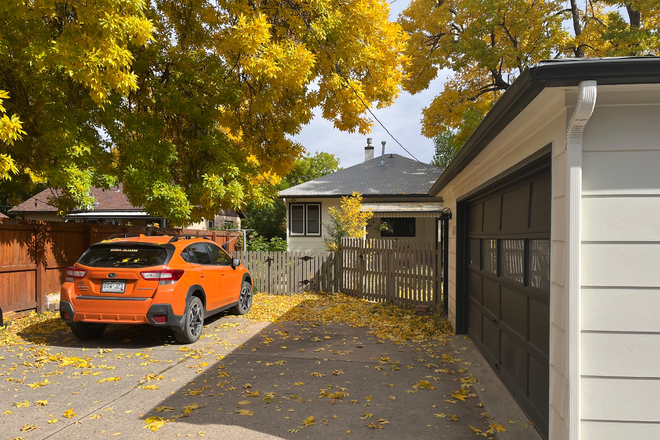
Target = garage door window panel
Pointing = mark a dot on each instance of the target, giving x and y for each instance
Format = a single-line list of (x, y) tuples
[(489, 255), (475, 252), (513, 260), (539, 264)]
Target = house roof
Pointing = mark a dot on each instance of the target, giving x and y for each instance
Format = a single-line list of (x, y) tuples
[(108, 200), (551, 73), (3, 216), (399, 176)]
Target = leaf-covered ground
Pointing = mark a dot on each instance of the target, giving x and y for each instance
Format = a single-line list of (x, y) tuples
[(300, 366)]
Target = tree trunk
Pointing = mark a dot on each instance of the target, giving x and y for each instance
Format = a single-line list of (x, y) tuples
[(635, 17), (577, 28)]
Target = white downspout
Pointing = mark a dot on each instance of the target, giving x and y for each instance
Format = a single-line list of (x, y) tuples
[(583, 110)]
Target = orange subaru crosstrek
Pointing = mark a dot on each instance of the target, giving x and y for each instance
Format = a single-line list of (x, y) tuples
[(166, 281)]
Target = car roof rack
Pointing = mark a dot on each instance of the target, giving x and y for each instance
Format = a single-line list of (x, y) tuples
[(124, 235), (188, 237)]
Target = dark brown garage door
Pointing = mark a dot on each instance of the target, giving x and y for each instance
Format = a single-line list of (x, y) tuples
[(509, 284)]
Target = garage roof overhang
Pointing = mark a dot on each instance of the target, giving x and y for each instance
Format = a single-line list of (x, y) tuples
[(552, 73)]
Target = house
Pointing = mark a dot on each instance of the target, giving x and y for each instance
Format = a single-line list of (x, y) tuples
[(554, 245), (393, 187), (111, 207)]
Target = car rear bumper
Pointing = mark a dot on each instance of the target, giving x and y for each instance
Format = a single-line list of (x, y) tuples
[(116, 310)]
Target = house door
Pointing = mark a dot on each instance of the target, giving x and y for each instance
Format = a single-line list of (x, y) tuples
[(508, 286)]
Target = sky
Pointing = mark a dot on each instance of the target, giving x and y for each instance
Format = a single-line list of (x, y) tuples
[(402, 119)]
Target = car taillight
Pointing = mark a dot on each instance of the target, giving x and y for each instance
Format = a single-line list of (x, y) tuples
[(165, 276), (73, 272)]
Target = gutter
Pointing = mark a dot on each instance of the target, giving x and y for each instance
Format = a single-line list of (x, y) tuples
[(574, 134), (551, 73)]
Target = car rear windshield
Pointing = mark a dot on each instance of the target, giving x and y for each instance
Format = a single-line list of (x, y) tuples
[(131, 255)]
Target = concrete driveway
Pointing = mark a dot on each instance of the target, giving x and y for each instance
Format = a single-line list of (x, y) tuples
[(247, 380)]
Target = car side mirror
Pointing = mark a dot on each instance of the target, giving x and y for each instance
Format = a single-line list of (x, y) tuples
[(235, 262)]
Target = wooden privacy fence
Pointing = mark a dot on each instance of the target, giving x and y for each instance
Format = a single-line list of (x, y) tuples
[(291, 272), (401, 272), (35, 255)]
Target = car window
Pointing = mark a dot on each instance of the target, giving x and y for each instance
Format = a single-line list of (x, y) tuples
[(188, 255), (200, 253), (218, 256), (123, 255)]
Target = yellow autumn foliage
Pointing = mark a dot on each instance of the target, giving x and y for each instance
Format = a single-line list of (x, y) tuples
[(486, 45), (346, 220)]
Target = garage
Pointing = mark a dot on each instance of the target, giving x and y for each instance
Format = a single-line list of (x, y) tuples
[(507, 270)]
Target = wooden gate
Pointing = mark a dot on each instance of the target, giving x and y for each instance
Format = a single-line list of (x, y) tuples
[(401, 272), (291, 272)]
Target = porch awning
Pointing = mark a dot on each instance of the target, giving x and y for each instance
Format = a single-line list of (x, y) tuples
[(405, 209)]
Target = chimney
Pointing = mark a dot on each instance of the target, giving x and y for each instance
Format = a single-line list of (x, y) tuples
[(382, 157), (368, 151)]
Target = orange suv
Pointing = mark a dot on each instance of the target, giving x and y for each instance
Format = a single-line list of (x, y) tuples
[(165, 281)]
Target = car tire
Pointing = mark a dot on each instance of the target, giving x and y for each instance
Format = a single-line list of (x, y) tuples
[(244, 299), (87, 331), (193, 323)]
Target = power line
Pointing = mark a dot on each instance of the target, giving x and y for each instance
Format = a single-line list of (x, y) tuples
[(309, 29)]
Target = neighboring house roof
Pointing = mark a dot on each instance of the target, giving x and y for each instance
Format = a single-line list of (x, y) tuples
[(399, 176), (551, 73), (108, 201), (404, 209), (3, 216)]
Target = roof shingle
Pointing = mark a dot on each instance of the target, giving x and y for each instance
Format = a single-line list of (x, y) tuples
[(108, 200), (399, 176)]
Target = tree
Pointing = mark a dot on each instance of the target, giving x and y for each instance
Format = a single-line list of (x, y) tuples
[(269, 219), (310, 167), (487, 44), (191, 105), (347, 220)]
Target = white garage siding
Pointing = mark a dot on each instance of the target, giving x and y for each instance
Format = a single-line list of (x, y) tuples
[(620, 296), (542, 123)]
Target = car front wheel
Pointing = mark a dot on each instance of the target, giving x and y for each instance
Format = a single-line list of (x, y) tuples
[(193, 323), (244, 300)]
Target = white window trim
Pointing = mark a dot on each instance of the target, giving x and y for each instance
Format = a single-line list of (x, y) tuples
[(312, 234), (305, 219)]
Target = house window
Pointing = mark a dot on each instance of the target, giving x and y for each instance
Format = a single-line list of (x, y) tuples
[(401, 227), (305, 219), (211, 224)]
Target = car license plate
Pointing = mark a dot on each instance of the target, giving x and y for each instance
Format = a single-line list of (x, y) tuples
[(113, 286)]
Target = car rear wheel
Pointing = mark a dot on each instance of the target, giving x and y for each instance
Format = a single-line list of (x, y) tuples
[(193, 323), (87, 331), (244, 300)]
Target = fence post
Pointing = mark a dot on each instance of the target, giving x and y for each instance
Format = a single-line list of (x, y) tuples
[(391, 279), (40, 272)]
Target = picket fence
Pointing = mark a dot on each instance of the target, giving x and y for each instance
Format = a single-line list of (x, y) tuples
[(401, 272), (381, 270), (292, 272)]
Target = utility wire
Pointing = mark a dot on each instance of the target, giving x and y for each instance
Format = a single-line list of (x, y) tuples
[(309, 29)]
